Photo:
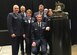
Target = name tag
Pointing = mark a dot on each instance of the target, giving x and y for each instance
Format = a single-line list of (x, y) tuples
[(43, 27), (25, 20), (32, 21), (15, 17), (35, 29)]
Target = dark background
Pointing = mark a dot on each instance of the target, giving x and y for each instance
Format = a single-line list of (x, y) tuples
[(6, 7)]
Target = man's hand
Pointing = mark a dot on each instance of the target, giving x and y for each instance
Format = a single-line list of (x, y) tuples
[(23, 35), (13, 35), (33, 44), (47, 28)]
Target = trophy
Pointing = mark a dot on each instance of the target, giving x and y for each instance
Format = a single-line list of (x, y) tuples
[(59, 6)]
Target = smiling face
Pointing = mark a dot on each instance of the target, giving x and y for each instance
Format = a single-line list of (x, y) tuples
[(29, 13), (15, 8), (50, 12), (39, 18), (22, 8), (41, 8), (45, 10)]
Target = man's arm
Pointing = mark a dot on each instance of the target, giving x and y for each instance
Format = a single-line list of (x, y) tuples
[(9, 24), (33, 38)]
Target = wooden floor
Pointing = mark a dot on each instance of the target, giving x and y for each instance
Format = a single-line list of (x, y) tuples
[(74, 50), (6, 50)]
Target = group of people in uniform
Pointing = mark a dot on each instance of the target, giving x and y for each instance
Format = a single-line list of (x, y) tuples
[(35, 29)]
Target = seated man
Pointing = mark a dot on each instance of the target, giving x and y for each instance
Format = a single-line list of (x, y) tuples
[(38, 36)]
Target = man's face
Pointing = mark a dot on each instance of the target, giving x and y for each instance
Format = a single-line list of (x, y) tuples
[(22, 9), (50, 13), (15, 8), (41, 7), (45, 11), (39, 18)]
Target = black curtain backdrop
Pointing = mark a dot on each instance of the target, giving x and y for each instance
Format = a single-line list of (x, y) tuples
[(6, 7), (71, 7), (74, 21)]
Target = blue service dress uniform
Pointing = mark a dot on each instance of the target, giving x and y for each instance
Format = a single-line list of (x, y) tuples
[(38, 36), (14, 24), (27, 30)]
